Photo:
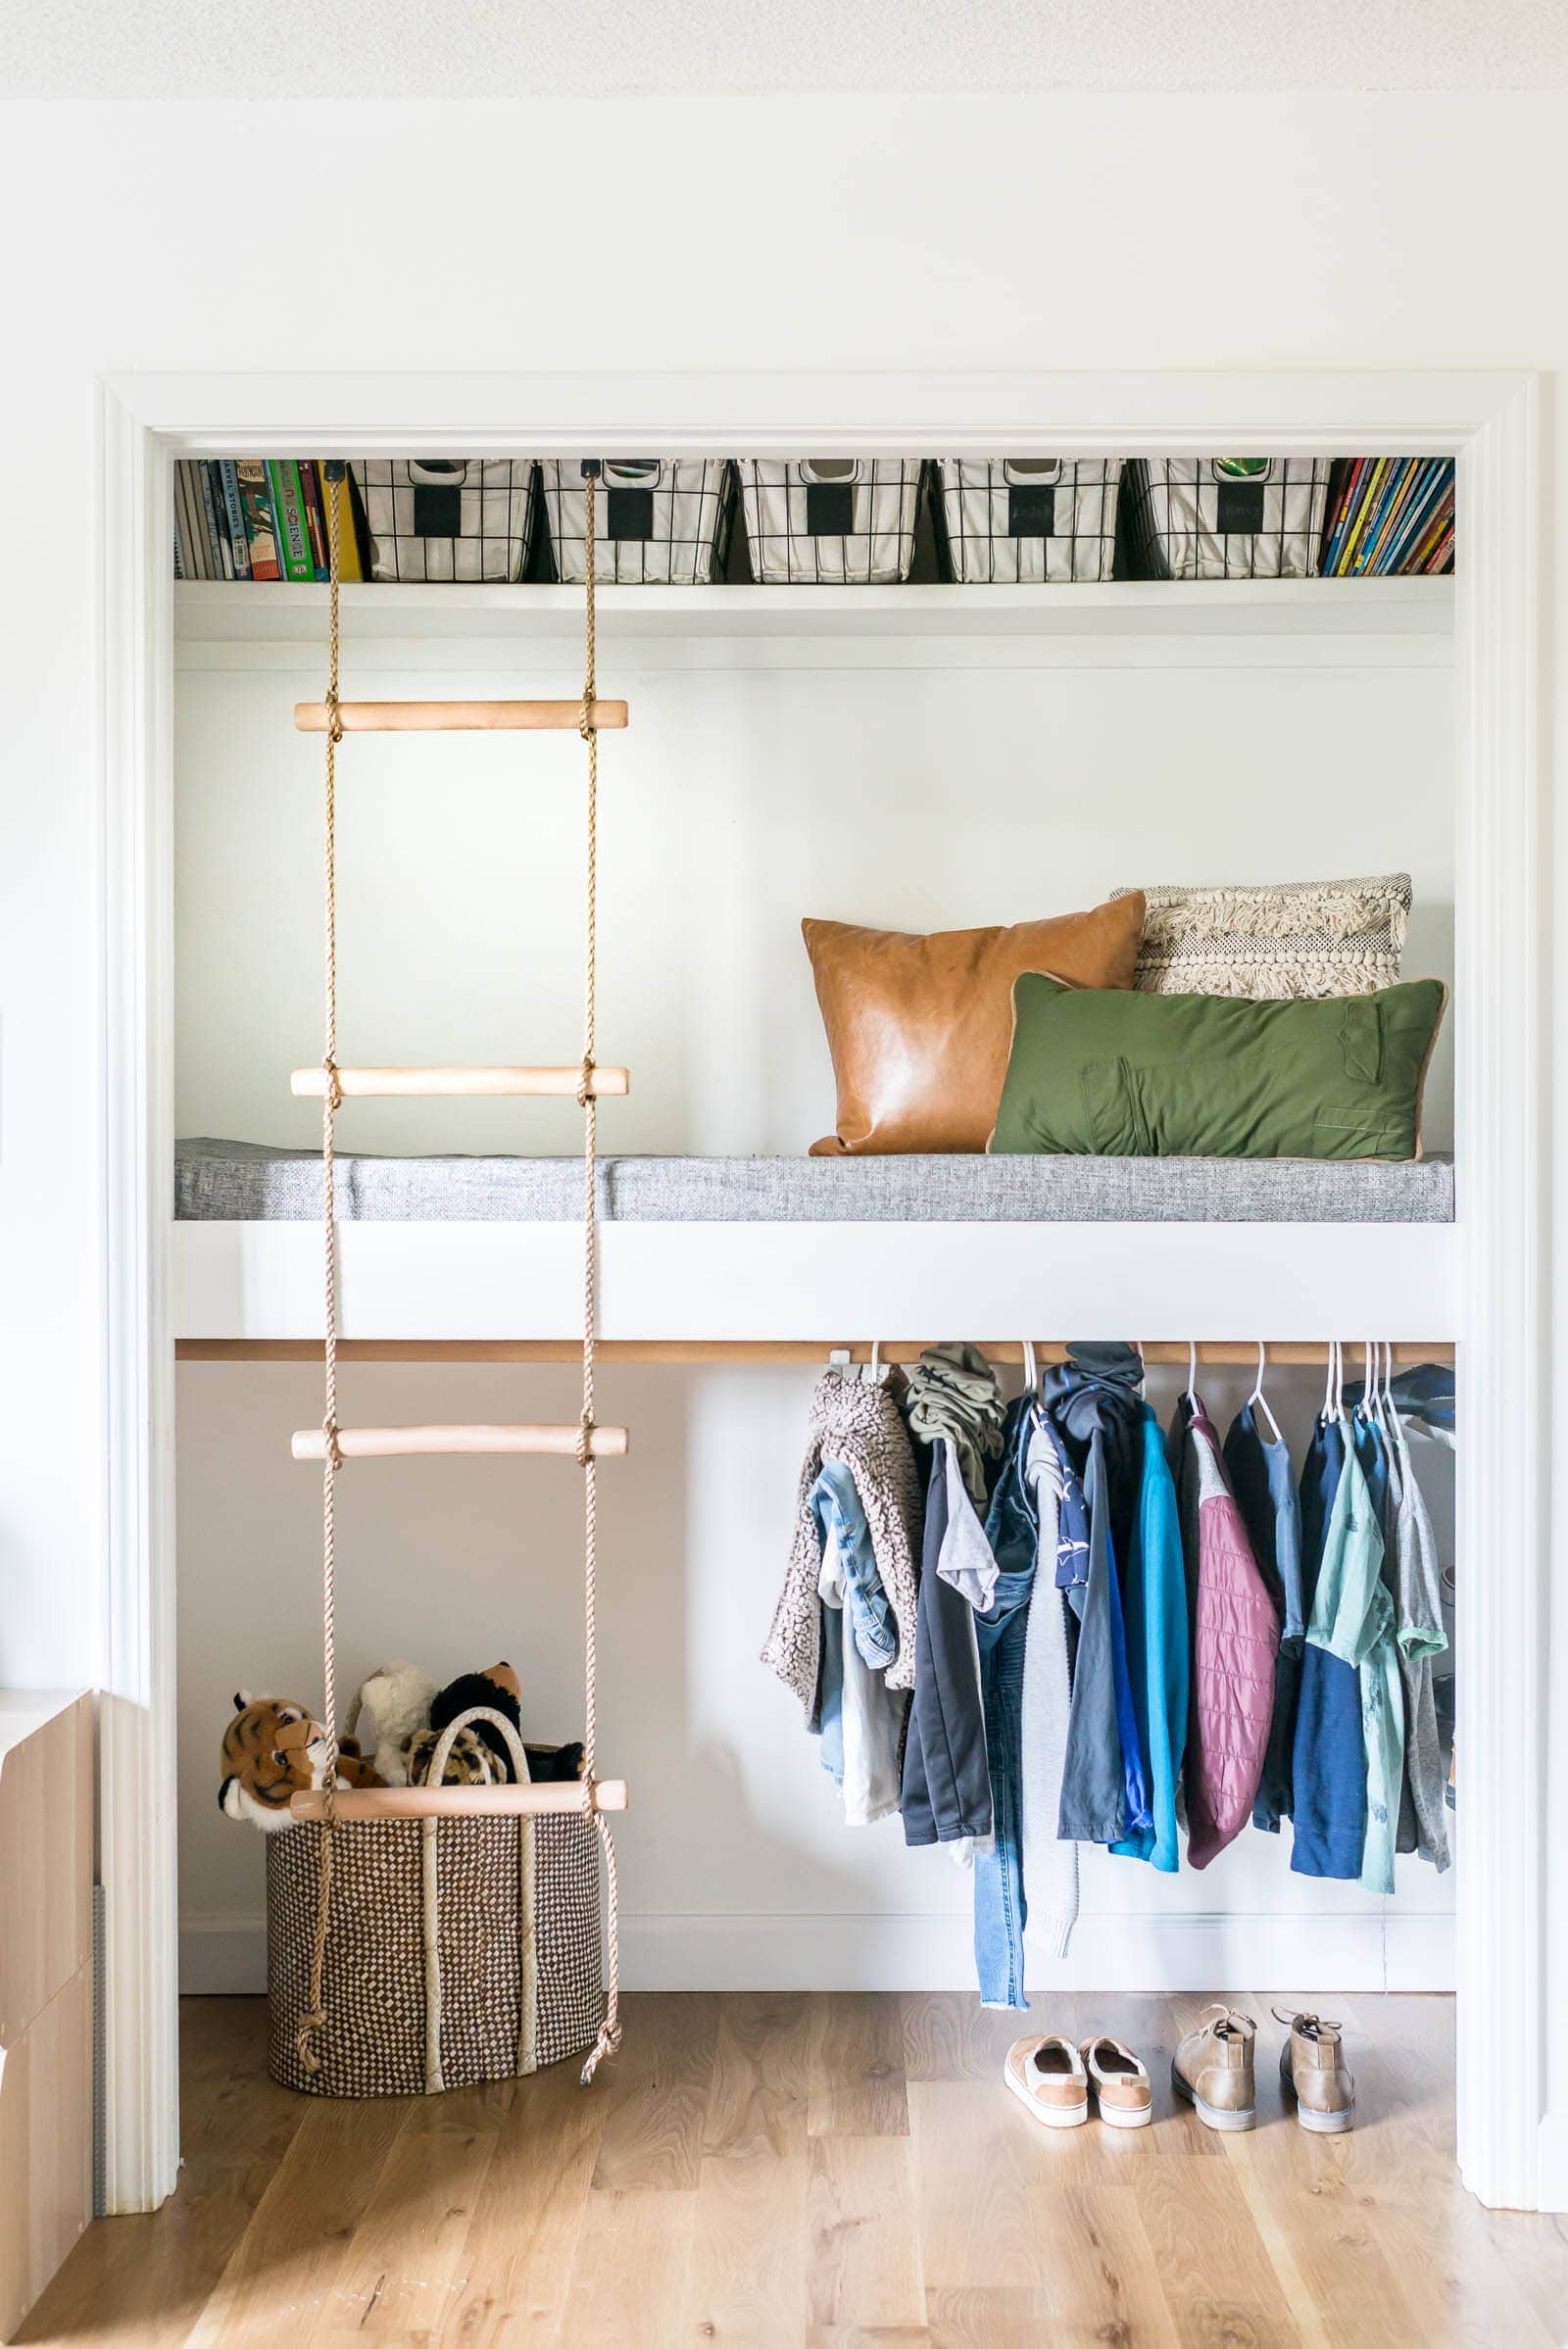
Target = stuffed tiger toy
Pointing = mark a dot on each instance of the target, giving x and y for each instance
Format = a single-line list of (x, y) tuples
[(271, 1751), (468, 1764)]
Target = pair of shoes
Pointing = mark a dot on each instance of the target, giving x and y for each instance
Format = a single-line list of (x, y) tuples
[(1053, 2079), (1213, 2068)]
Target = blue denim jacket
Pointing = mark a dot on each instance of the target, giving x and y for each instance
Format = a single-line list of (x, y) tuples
[(840, 1519)]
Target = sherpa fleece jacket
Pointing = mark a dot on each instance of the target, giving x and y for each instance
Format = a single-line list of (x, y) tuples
[(858, 1424)]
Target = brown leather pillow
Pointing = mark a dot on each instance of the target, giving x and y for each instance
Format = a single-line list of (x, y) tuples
[(919, 1028)]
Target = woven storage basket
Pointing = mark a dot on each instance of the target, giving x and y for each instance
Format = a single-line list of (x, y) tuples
[(449, 518), (830, 521), (658, 520), (458, 1950), (1021, 520), (1226, 517)]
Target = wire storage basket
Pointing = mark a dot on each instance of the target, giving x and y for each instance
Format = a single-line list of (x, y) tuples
[(839, 520), (1021, 520), (448, 518), (658, 522), (1226, 517), (460, 1949)]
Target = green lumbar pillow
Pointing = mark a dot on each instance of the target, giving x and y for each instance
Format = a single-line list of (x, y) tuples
[(1100, 1072)]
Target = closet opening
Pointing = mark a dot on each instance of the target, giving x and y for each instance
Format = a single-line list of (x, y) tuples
[(840, 754)]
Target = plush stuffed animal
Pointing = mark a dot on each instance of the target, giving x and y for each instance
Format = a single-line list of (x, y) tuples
[(397, 1698), (470, 1763), (498, 1688), (548, 1764), (271, 1751)]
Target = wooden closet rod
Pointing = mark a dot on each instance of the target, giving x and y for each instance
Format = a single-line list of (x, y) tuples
[(458, 718), (381, 1084), (741, 1351)]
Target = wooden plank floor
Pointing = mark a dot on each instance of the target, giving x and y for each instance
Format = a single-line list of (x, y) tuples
[(816, 2171)]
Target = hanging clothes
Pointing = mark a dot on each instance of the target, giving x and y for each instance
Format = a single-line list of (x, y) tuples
[(862, 1718), (1352, 1620), (955, 1397), (1093, 1408), (1235, 1639), (1265, 1485), (857, 1425), (1000, 1905), (1421, 1638), (1328, 1758), (1157, 1650), (954, 1392), (1050, 1862)]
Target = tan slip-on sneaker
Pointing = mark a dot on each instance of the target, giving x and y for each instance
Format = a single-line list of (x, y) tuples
[(1048, 2076), (1313, 2069), (1119, 2081), (1213, 2068)]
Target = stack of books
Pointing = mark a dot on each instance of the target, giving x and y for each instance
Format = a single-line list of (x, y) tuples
[(258, 517), (1387, 514)]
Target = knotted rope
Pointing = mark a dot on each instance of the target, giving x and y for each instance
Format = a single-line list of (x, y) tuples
[(313, 2016), (608, 2038)]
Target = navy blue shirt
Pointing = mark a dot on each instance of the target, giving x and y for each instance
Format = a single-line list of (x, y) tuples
[(1327, 1761)]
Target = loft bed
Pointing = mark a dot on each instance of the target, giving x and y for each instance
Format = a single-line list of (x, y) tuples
[(246, 1182)]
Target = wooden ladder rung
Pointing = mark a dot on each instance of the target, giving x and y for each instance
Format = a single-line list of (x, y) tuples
[(388, 1444), (460, 1802), (366, 1084), (458, 718)]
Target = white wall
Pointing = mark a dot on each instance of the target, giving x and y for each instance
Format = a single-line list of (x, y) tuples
[(736, 1868), (1272, 231), (741, 799)]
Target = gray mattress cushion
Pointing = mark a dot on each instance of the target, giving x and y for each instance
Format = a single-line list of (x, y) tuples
[(245, 1182)]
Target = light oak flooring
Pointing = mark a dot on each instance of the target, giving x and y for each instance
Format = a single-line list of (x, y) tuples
[(816, 2171)]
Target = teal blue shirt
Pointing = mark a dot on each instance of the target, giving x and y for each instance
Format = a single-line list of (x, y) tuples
[(1158, 1649)]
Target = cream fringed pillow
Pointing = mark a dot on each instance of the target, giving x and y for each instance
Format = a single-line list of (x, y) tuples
[(1298, 938)]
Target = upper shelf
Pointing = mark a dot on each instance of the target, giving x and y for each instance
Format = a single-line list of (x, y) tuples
[(263, 612)]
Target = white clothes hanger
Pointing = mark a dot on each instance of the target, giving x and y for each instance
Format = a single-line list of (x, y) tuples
[(1031, 1370), (1192, 1373), (1259, 1399)]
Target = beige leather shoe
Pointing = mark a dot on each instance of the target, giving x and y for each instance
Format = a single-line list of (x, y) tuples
[(1314, 2071), (1119, 2084), (1212, 2069), (1048, 2076)]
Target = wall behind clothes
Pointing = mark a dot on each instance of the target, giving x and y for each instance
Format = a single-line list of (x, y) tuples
[(741, 799), (1311, 230), (736, 1868)]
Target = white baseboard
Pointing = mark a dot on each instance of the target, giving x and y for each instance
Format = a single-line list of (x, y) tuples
[(921, 1952), (1554, 2162)]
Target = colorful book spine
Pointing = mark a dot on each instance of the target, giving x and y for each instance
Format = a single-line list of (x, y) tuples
[(196, 545), (288, 508), (315, 519), (234, 518), (211, 522), (260, 530), (349, 565)]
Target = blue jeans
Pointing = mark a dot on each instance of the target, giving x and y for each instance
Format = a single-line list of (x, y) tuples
[(1001, 1910)]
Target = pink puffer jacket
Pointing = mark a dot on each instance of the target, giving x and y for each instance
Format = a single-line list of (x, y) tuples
[(1236, 1638)]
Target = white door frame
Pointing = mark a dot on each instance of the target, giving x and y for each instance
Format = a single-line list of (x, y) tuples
[(1493, 422)]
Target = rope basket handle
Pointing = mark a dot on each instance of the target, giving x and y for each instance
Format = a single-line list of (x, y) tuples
[(435, 1775)]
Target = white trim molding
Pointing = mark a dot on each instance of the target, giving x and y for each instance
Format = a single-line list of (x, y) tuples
[(136, 1854), (1492, 422)]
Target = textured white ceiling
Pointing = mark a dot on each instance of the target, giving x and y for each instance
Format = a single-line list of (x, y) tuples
[(557, 48)]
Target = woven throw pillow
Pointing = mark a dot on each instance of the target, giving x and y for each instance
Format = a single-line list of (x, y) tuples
[(1298, 938), (918, 1027), (1199, 1076)]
